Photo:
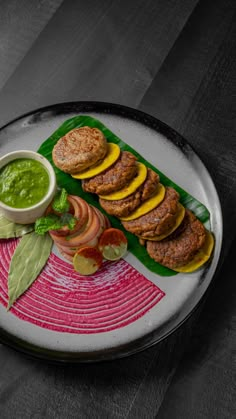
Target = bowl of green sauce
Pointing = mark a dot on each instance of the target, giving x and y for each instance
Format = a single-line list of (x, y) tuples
[(27, 186)]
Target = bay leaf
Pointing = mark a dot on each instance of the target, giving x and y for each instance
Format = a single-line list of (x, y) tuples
[(8, 229), (29, 258)]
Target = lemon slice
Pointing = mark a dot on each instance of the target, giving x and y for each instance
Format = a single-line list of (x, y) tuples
[(201, 257), (87, 260), (148, 205), (113, 244), (178, 221), (110, 158), (131, 187), (112, 252)]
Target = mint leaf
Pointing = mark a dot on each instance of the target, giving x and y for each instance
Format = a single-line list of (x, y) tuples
[(60, 203), (68, 220), (54, 222), (49, 222)]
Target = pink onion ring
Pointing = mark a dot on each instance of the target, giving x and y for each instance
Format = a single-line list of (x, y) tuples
[(80, 211)]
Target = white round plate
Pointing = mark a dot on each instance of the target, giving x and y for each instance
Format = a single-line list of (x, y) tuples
[(169, 300)]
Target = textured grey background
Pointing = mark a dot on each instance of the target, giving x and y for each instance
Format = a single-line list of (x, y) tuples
[(176, 61)]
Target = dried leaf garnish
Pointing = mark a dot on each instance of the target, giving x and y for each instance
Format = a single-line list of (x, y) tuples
[(29, 258), (8, 229)]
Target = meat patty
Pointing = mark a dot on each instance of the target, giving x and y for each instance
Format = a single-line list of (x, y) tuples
[(180, 247), (124, 207), (79, 149), (157, 221), (113, 178)]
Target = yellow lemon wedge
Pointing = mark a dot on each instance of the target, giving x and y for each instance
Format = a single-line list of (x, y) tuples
[(87, 260), (110, 158), (201, 257), (148, 205), (113, 244), (179, 218), (131, 187)]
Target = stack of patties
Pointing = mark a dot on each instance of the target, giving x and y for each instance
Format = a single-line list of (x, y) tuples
[(127, 189)]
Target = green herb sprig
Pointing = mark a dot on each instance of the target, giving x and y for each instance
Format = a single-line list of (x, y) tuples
[(54, 221)]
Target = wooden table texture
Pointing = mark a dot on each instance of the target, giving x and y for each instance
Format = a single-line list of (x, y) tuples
[(174, 59)]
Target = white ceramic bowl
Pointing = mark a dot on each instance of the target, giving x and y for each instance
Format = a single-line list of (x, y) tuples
[(28, 215)]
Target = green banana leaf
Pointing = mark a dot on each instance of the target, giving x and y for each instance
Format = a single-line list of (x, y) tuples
[(73, 186)]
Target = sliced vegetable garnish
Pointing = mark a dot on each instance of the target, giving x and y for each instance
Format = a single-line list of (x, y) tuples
[(57, 215), (86, 232), (113, 244), (29, 258), (110, 158), (8, 229), (87, 260), (68, 220), (54, 222), (131, 187)]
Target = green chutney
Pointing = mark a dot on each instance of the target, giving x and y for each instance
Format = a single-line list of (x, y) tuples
[(23, 183)]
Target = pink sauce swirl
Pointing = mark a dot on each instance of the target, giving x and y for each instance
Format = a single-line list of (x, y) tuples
[(62, 300)]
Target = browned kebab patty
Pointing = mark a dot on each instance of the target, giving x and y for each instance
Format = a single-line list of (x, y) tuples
[(181, 246), (124, 207), (79, 149), (157, 221), (113, 178)]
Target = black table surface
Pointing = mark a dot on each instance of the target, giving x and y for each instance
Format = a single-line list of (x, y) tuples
[(174, 59)]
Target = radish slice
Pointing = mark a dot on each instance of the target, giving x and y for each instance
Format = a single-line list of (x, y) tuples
[(91, 224), (79, 209), (92, 230), (104, 219), (65, 255), (86, 214)]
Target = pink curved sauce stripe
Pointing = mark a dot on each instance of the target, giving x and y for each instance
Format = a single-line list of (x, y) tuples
[(62, 300)]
